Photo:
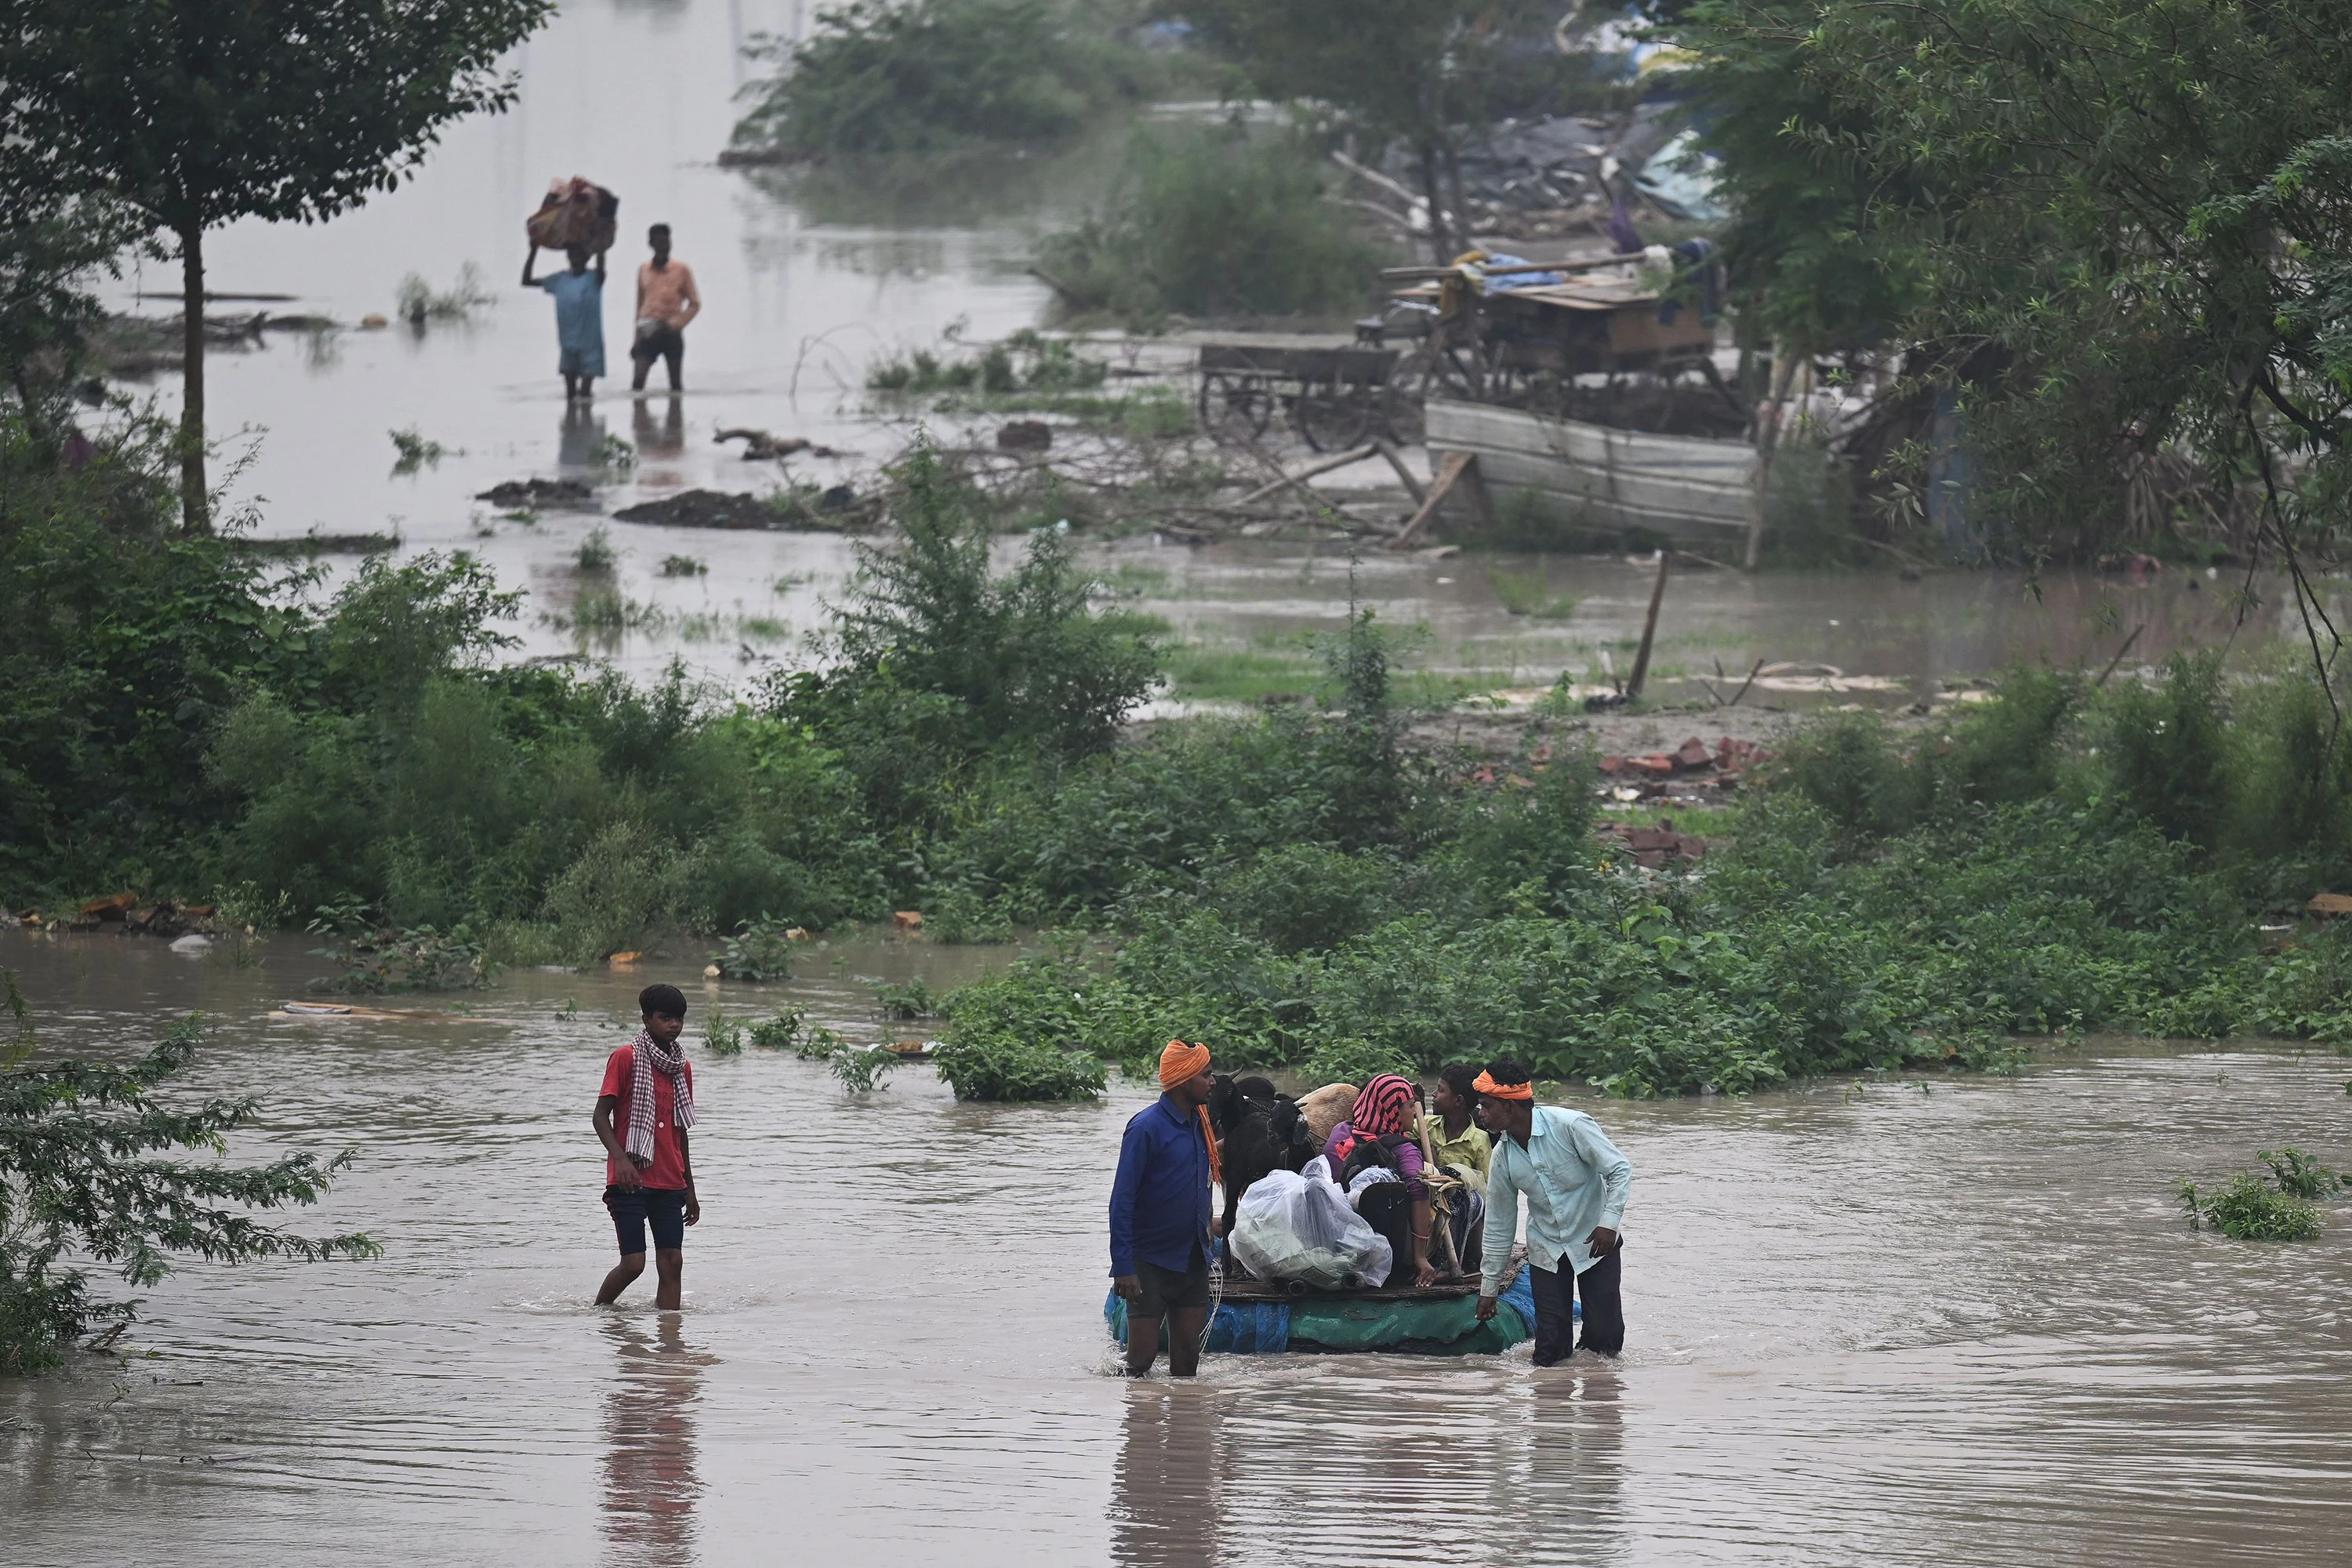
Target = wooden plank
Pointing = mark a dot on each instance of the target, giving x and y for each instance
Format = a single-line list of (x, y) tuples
[(1456, 465), (1404, 475), (1299, 479)]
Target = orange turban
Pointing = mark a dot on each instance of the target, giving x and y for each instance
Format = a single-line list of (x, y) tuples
[(1487, 1085), (1180, 1063)]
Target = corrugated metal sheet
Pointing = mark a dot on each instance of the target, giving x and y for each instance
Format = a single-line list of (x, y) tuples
[(1685, 487)]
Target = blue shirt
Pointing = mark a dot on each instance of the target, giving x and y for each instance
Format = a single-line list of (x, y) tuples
[(1573, 1178), (1160, 1199), (579, 310)]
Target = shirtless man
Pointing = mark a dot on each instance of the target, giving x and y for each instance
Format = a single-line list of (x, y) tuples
[(666, 300)]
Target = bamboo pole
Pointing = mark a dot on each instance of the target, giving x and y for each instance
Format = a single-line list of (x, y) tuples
[(1649, 630)]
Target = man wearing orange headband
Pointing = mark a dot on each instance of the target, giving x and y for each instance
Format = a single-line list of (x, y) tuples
[(1160, 1231), (1576, 1183)]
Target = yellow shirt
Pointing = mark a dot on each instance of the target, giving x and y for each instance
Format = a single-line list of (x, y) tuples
[(1472, 1150)]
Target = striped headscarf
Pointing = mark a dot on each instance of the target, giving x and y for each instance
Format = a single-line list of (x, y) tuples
[(1384, 1106), (648, 1059)]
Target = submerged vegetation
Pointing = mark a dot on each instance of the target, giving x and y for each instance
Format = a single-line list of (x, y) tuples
[(2285, 1208), (1302, 886), (936, 75), (1216, 223), (90, 1172)]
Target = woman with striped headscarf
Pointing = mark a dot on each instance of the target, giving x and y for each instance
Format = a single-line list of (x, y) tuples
[(1378, 1133)]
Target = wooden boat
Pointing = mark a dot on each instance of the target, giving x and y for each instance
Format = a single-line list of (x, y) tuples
[(1257, 1317), (1688, 487)]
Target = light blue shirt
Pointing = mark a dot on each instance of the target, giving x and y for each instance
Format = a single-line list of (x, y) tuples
[(1574, 1180)]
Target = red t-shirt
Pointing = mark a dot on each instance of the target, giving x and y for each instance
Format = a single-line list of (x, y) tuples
[(668, 1170)]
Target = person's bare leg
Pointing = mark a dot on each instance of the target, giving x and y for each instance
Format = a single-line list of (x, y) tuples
[(1186, 1325), (669, 1269), (624, 1274), (1142, 1343)]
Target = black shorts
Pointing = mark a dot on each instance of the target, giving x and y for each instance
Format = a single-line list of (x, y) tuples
[(1164, 1289), (663, 1208), (664, 341)]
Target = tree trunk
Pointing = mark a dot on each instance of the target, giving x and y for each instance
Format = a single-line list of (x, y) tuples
[(194, 503), (1441, 239)]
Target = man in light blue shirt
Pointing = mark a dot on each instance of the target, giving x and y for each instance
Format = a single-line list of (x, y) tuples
[(1576, 1183)]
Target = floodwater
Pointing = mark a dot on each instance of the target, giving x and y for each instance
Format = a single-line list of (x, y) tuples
[(806, 283), (1906, 1321)]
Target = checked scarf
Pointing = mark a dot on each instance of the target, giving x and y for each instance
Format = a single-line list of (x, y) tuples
[(670, 1065)]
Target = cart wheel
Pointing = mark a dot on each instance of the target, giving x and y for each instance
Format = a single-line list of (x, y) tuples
[(1234, 409), (1431, 369), (1335, 417)]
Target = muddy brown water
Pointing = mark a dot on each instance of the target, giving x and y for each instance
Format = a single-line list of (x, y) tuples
[(1889, 1322)]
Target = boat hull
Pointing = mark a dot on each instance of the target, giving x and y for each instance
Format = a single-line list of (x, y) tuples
[(1681, 487)]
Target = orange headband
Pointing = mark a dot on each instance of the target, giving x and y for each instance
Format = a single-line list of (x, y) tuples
[(1487, 1085)]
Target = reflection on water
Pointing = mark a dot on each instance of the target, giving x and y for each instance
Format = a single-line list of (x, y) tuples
[(651, 1481), (1883, 1322), (1165, 1491), (664, 439)]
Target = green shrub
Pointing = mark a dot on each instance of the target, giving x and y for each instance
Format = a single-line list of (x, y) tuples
[(932, 75), (2298, 1175), (2165, 748), (915, 999), (758, 950), (781, 1032), (1217, 224), (371, 960), (860, 1068), (723, 1036), (2247, 1210)]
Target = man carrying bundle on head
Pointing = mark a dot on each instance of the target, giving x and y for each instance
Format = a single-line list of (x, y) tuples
[(1161, 1225), (642, 1115), (1576, 1183)]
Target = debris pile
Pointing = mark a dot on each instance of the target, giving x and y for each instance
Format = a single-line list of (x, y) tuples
[(1686, 771), (834, 509), (1651, 847), (124, 914), (543, 495)]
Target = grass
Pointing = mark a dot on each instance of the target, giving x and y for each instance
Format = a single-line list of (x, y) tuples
[(683, 566), (418, 300), (595, 555), (1527, 594), (2248, 1209)]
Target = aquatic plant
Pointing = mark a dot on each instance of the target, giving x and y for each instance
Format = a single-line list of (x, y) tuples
[(88, 1173), (2248, 1210), (371, 959), (612, 456), (596, 554), (780, 1033), (758, 950), (723, 1036), (417, 301), (915, 999), (683, 566), (2298, 1175), (862, 1068), (416, 451)]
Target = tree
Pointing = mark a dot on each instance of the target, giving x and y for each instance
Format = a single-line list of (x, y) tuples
[(51, 244), (79, 1176), (2119, 229), (196, 113), (1420, 72)]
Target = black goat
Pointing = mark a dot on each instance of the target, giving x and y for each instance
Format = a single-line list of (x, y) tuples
[(1260, 1130)]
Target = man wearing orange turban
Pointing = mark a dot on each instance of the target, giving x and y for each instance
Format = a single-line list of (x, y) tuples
[(1576, 1183), (1161, 1230)]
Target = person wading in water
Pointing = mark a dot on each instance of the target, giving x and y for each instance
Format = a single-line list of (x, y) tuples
[(1161, 1224), (642, 1115), (666, 300), (1576, 1183)]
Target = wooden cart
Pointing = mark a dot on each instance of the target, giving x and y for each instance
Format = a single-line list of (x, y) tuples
[(1333, 390)]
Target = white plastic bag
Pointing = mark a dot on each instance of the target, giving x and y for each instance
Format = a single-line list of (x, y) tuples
[(1370, 1177), (1292, 1227)]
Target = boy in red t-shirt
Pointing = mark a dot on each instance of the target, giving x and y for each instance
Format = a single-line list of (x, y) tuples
[(642, 1115)]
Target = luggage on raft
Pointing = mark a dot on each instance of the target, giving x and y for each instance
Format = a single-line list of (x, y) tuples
[(575, 212), (1401, 1323)]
